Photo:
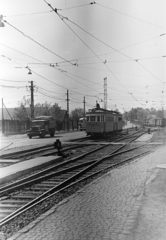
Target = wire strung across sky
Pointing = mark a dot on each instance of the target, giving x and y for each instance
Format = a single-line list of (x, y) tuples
[(76, 64), (42, 46), (38, 43), (131, 59), (72, 78), (84, 5), (50, 65), (63, 19), (129, 16), (7, 86), (136, 60), (111, 52)]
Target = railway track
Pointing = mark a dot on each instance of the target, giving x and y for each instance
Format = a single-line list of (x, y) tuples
[(15, 157), (20, 196), (12, 158)]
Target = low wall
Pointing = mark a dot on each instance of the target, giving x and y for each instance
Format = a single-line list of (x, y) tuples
[(11, 127)]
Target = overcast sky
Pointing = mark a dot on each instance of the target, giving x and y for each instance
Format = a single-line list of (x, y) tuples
[(78, 46)]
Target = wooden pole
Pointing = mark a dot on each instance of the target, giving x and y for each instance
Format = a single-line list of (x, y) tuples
[(2, 118)]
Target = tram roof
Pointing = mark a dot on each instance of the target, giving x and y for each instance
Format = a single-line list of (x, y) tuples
[(102, 110)]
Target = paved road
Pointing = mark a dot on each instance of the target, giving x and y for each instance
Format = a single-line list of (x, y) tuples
[(19, 141)]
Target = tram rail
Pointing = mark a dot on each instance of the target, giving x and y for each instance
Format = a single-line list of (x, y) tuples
[(57, 179)]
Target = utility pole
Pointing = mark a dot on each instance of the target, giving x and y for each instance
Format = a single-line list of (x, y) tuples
[(84, 106), (67, 109), (2, 118), (162, 100), (31, 89), (32, 101), (105, 93)]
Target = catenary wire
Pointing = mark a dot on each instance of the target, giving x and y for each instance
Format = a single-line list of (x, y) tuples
[(62, 18), (136, 60), (48, 79), (129, 16), (38, 43), (26, 14)]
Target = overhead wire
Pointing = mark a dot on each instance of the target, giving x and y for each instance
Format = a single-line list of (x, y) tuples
[(93, 82), (136, 60), (67, 19), (21, 52), (142, 41), (83, 5), (104, 54), (48, 90), (76, 100), (102, 70), (57, 83), (48, 79), (50, 96), (116, 50), (93, 63), (149, 71), (26, 14), (1, 79), (62, 18), (129, 15), (6, 86), (65, 73), (50, 65), (80, 39), (79, 64), (38, 43), (56, 69)]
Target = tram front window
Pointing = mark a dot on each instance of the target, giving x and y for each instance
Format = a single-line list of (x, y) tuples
[(92, 118), (98, 118)]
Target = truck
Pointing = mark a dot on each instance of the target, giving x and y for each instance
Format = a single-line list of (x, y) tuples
[(41, 126)]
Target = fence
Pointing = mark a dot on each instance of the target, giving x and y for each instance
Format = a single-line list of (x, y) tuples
[(16, 126)]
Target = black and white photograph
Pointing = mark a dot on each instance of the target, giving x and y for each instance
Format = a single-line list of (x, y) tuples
[(82, 120)]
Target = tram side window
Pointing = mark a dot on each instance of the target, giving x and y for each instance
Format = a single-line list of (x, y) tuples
[(102, 118), (98, 118), (92, 118), (87, 118)]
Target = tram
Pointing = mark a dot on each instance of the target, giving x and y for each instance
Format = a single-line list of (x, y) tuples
[(100, 122)]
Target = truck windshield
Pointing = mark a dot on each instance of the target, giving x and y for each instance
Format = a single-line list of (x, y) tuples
[(38, 123)]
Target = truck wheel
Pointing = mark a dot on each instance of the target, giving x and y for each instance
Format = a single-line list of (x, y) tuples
[(42, 135), (52, 133)]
